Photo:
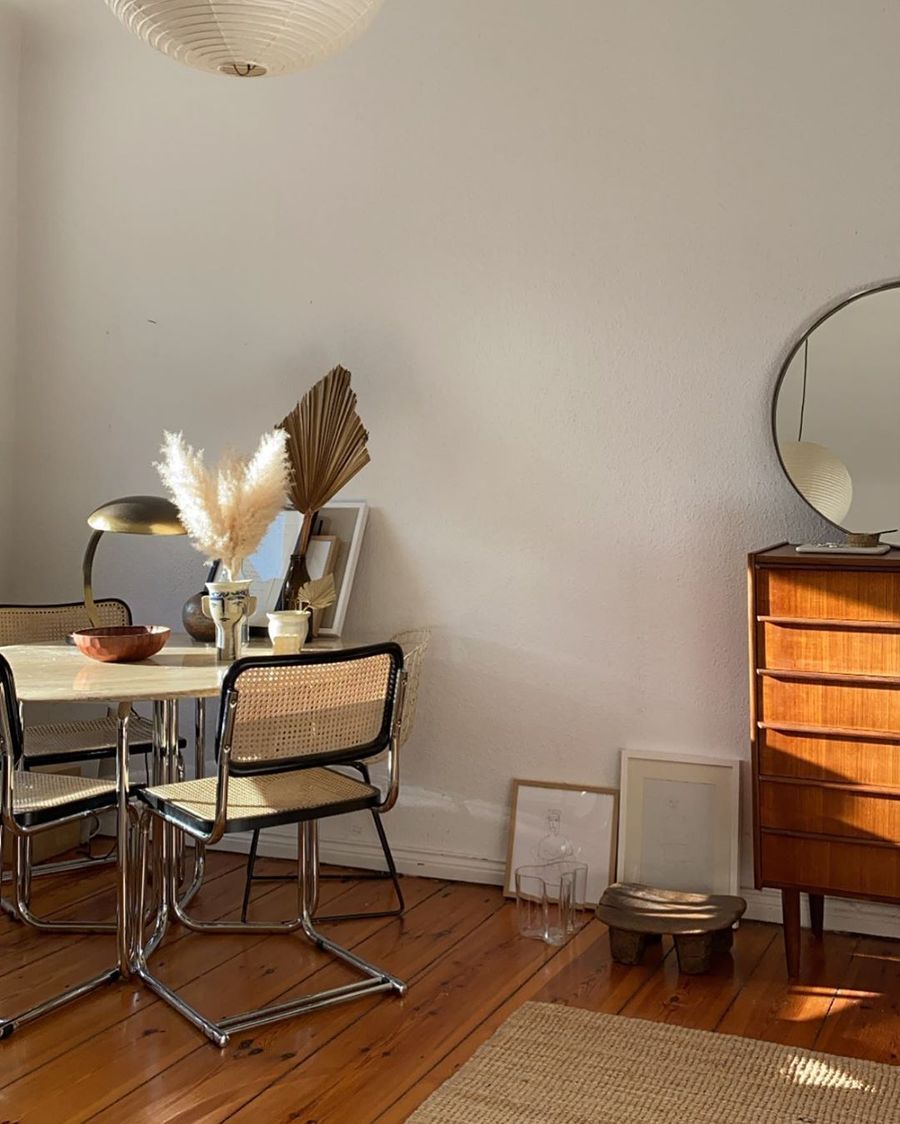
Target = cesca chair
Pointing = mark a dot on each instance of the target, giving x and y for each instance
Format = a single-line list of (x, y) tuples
[(71, 742), (284, 724), (414, 644), (66, 743), (31, 802)]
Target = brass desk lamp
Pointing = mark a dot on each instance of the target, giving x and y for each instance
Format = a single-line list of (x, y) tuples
[(131, 515)]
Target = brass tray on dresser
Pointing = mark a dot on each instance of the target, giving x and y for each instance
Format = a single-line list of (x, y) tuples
[(825, 729)]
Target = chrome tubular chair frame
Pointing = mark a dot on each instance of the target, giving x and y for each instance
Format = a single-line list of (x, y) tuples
[(53, 622), (414, 644), (24, 821), (390, 874), (210, 824)]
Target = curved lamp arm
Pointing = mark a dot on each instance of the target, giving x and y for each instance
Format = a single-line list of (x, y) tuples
[(86, 567)]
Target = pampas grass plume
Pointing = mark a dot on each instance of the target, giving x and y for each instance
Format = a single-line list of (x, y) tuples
[(226, 512)]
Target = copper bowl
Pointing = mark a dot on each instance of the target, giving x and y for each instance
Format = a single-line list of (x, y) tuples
[(124, 644)]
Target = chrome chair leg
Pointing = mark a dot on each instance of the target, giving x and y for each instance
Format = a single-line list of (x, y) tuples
[(376, 979), (199, 771), (20, 907), (9, 1025), (5, 906), (358, 876)]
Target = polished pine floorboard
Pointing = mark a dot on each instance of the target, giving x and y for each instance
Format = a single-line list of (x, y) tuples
[(122, 1055)]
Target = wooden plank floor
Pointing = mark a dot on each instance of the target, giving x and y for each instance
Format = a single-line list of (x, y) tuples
[(122, 1055)]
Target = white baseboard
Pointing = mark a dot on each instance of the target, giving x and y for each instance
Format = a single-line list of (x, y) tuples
[(841, 914), (281, 843)]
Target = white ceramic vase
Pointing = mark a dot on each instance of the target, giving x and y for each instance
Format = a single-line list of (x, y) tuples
[(228, 605), (288, 630)]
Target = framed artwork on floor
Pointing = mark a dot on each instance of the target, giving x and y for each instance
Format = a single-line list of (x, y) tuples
[(551, 822), (679, 822)]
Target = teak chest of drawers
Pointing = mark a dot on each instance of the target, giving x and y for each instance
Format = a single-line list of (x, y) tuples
[(825, 729)]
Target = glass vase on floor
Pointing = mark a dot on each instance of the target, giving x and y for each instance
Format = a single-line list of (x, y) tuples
[(548, 897)]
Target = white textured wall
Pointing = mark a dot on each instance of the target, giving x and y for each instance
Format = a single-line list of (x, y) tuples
[(9, 141), (563, 248)]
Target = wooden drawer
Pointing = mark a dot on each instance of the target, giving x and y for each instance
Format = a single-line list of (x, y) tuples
[(829, 759), (829, 811), (847, 869), (828, 594), (812, 647), (839, 706)]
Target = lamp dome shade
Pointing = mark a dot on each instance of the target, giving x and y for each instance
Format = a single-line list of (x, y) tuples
[(247, 38), (137, 515), (820, 477)]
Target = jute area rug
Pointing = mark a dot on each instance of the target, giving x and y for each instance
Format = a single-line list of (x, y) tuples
[(550, 1064)]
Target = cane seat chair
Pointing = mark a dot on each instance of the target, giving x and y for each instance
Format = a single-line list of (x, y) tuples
[(76, 741), (285, 723), (31, 802), (414, 644), (65, 743)]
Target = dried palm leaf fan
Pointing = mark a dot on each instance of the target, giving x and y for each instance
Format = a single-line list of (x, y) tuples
[(326, 447)]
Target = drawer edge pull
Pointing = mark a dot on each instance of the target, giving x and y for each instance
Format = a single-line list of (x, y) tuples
[(822, 837), (830, 676), (829, 623), (844, 733), (885, 792)]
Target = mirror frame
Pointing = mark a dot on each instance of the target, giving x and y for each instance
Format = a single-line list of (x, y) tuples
[(832, 310)]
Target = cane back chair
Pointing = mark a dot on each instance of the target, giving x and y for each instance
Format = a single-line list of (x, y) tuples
[(414, 644), (31, 802), (284, 723), (80, 740), (66, 743)]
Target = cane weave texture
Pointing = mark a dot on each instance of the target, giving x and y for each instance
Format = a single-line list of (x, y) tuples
[(272, 794), (414, 644), (44, 624), (84, 736), (298, 710), (33, 792), (550, 1064)]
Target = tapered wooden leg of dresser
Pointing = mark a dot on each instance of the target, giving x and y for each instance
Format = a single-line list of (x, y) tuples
[(790, 914), (817, 914)]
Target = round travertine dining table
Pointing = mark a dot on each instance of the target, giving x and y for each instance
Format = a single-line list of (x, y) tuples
[(184, 669), (59, 672)]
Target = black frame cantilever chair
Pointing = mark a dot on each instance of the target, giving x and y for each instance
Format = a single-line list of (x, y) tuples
[(414, 644), (31, 802), (71, 742), (284, 722)]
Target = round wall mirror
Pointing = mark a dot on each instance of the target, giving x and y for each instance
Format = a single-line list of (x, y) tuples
[(836, 414)]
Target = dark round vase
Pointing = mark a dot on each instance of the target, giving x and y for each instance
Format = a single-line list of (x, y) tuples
[(196, 623)]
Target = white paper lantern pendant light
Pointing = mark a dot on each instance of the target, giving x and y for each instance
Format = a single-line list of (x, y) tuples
[(247, 38)]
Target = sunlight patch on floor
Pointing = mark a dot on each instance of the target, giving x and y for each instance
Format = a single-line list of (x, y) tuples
[(813, 1071)]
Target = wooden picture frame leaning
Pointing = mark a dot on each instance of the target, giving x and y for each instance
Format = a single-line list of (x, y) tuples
[(597, 810)]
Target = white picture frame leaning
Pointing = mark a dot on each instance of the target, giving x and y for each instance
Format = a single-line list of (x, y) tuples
[(334, 548), (345, 520), (587, 817), (679, 822)]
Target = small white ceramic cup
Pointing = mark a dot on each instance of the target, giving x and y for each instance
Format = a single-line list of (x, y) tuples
[(287, 631)]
